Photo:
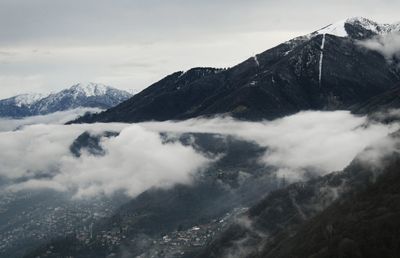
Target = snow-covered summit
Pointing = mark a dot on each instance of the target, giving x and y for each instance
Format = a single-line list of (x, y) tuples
[(27, 99), (395, 27), (337, 29), (93, 95), (90, 89), (357, 26)]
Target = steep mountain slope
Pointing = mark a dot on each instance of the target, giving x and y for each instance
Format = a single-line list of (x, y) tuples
[(18, 106), (265, 229), (79, 95), (366, 224), (389, 100), (325, 70)]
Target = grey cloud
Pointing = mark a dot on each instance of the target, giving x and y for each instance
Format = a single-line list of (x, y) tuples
[(7, 53), (133, 64)]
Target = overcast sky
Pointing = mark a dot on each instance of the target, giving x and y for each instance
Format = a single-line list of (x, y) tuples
[(47, 45)]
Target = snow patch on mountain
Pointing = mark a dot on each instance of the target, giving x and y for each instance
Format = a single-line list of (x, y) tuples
[(339, 28), (27, 99), (395, 27), (256, 60), (321, 58), (90, 89)]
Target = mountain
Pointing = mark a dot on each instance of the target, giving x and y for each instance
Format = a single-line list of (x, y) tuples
[(19, 106), (358, 28), (388, 100), (325, 70), (80, 95), (350, 210), (365, 224)]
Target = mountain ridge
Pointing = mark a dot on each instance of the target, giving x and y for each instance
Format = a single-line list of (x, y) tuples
[(312, 72), (350, 27), (92, 95)]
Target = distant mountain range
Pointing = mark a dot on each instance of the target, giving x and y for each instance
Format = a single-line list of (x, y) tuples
[(80, 95), (325, 70)]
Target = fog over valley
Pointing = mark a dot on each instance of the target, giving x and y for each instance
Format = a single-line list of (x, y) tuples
[(136, 159)]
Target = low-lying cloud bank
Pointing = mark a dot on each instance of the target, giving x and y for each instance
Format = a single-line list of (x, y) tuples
[(317, 141), (136, 160), (61, 117)]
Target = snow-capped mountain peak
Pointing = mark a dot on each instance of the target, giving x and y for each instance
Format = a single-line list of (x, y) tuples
[(27, 99), (357, 27), (395, 27), (364, 22), (93, 95), (90, 89), (337, 29)]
